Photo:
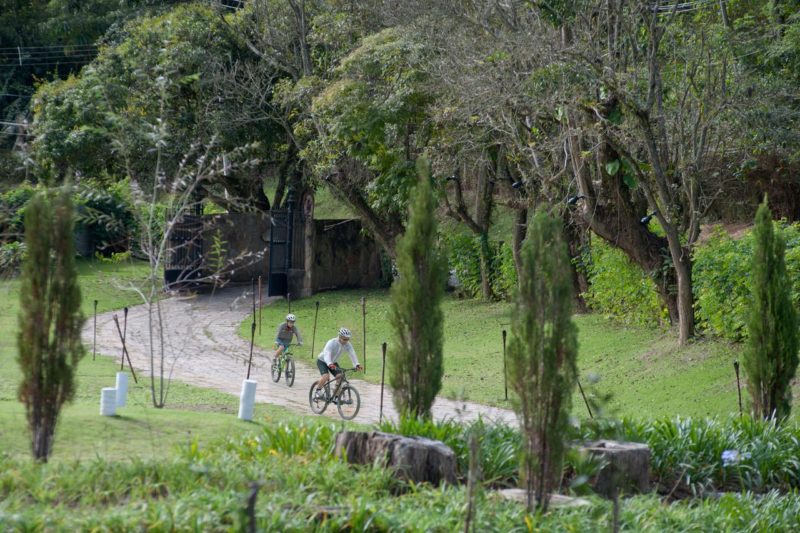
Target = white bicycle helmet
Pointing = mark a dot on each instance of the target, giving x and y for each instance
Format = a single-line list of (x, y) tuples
[(291, 318), (344, 332)]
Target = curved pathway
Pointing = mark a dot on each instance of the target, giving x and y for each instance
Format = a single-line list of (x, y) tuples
[(203, 348)]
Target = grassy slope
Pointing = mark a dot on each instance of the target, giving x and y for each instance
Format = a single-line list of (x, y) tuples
[(644, 370), (141, 430)]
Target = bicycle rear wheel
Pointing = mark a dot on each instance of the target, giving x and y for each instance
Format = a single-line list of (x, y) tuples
[(317, 402), (349, 402), (276, 369), (289, 371)]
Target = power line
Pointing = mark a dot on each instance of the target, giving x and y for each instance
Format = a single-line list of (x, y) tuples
[(16, 48), (17, 65)]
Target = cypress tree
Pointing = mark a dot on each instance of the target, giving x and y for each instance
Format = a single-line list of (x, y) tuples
[(542, 356), (48, 342), (770, 360), (416, 353)]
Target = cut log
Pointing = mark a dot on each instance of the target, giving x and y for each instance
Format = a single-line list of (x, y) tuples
[(627, 467), (412, 458)]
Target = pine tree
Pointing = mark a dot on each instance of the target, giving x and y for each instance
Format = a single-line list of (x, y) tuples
[(416, 353), (49, 339), (770, 360), (542, 356)]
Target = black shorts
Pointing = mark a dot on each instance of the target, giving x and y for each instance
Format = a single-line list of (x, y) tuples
[(323, 368)]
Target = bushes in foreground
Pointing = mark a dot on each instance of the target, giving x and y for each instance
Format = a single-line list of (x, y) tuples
[(207, 488)]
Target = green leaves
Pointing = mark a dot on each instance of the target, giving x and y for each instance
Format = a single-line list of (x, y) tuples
[(612, 167)]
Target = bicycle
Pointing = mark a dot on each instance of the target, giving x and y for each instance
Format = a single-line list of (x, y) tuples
[(345, 396), (284, 364)]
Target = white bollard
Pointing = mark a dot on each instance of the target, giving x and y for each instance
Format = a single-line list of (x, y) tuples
[(122, 389), (108, 401), (247, 400)]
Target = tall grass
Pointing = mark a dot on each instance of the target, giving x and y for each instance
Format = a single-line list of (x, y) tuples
[(687, 453)]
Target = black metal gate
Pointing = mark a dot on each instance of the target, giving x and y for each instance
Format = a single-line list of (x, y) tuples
[(280, 251), (184, 261)]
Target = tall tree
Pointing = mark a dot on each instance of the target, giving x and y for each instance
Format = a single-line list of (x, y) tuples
[(542, 356), (416, 353), (49, 339), (770, 361)]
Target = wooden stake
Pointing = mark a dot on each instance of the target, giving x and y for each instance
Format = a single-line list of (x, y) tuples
[(260, 305), (94, 340), (738, 385), (505, 372), (383, 375), (364, 329), (125, 353), (584, 398), (252, 340), (314, 334), (124, 336), (253, 291)]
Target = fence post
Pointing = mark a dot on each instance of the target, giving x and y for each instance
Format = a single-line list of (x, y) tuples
[(260, 305), (364, 329), (94, 340), (505, 371), (314, 334), (383, 375)]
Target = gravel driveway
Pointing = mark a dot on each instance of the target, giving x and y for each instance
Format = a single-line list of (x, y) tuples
[(203, 348)]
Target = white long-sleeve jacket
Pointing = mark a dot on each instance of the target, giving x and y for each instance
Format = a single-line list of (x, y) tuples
[(333, 351)]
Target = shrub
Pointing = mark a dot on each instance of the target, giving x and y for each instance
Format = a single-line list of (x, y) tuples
[(687, 454), (500, 445), (721, 279), (11, 256), (620, 289), (770, 359), (416, 354), (12, 211), (464, 259), (49, 338), (108, 214), (542, 356)]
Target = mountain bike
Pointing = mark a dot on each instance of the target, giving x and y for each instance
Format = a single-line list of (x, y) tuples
[(345, 396), (284, 364)]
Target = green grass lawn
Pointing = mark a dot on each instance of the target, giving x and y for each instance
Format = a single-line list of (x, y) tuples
[(645, 371), (141, 430)]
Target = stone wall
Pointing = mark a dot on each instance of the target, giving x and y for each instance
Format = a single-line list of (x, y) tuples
[(344, 257)]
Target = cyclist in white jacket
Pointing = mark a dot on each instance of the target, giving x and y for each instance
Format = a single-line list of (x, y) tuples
[(331, 353)]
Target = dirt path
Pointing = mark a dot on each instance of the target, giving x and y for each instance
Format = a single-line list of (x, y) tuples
[(203, 348)]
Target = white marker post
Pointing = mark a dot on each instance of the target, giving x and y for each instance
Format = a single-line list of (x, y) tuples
[(122, 389), (247, 400), (108, 401)]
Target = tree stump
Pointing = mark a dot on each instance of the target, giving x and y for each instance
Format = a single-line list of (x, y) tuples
[(412, 458), (627, 467)]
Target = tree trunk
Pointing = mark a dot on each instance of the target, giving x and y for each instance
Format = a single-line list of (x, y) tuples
[(518, 236), (685, 297), (486, 269), (613, 212), (576, 242)]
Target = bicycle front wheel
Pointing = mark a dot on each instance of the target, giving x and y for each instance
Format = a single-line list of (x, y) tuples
[(276, 369), (316, 399), (289, 371), (349, 402)]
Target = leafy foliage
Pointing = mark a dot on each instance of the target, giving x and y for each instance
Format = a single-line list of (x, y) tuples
[(464, 258), (416, 354), (620, 289), (542, 358), (722, 274), (687, 453), (770, 360), (49, 338)]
